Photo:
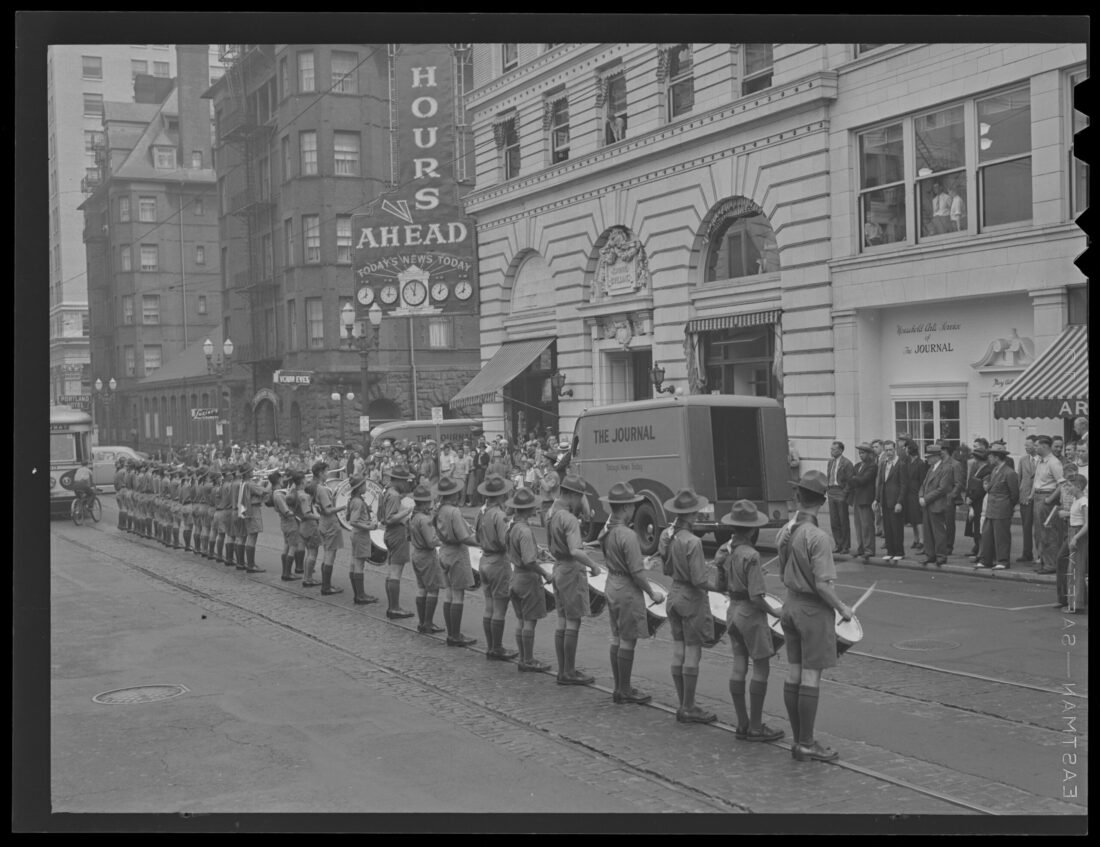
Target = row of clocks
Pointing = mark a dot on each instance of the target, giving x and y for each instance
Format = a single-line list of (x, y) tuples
[(415, 292)]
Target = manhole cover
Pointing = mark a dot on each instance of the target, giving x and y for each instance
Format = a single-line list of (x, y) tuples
[(926, 644), (139, 694)]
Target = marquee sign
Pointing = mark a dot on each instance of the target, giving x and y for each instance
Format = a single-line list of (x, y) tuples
[(414, 254)]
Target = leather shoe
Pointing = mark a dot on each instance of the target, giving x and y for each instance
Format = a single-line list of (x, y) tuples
[(633, 695), (928, 562), (814, 752), (765, 733), (499, 654), (941, 562), (1023, 559), (533, 666), (365, 600), (575, 678), (1044, 570), (310, 583), (396, 614), (289, 578), (696, 715), (332, 590), (461, 641), (254, 570), (432, 629)]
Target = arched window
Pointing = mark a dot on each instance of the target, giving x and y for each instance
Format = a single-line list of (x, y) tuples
[(533, 286), (740, 246)]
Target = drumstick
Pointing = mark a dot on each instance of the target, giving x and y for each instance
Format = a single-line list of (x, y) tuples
[(866, 594)]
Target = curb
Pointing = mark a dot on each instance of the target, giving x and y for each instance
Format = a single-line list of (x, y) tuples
[(1010, 574)]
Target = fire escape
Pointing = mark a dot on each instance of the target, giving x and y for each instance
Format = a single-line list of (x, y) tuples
[(247, 124)]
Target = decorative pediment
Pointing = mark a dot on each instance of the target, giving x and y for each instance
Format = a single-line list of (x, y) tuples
[(1012, 353), (622, 267)]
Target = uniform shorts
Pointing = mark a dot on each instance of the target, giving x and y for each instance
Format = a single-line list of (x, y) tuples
[(311, 535), (332, 536), (360, 545), (626, 609), (689, 616), (429, 575), (254, 524), (187, 515), (810, 629), (527, 595), (571, 591), (291, 536), (237, 527), (749, 632), (458, 576), (496, 578), (397, 548), (221, 521)]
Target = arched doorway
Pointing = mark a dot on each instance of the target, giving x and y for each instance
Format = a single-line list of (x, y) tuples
[(263, 419), (382, 411)]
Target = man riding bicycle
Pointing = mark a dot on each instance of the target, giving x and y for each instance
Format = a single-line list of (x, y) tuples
[(82, 483)]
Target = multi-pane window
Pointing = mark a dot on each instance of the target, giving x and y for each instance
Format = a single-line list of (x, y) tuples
[(345, 78), (84, 327), (138, 67), (559, 130), (307, 143), (200, 254), (151, 354), (202, 304), (739, 361), (288, 242), (882, 185), (127, 308), (160, 69), (125, 260), (147, 209), (164, 158), (940, 143), (1079, 185), (286, 157), (128, 356), (743, 246), (311, 236), (615, 109), (150, 308), (92, 67), (93, 105), (928, 421), (315, 322), (509, 57), (148, 257), (346, 153), (510, 148), (440, 333), (91, 139), (306, 79), (292, 325), (343, 239), (1004, 157), (758, 68), (681, 81)]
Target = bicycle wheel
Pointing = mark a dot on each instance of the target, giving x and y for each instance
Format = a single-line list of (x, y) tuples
[(76, 512), (95, 510)]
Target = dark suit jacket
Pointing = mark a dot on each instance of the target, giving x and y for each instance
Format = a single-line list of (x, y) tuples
[(938, 485), (975, 487), (844, 471), (959, 480), (891, 489), (861, 486), (1002, 493)]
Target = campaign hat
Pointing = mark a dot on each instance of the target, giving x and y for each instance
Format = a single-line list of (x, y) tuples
[(494, 486), (686, 502), (399, 472), (813, 481), (522, 500), (447, 486), (621, 494), (573, 482), (744, 513), (421, 494)]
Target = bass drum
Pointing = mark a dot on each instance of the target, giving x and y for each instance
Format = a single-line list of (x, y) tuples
[(341, 493)]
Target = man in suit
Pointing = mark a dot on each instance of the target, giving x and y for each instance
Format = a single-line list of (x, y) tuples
[(1002, 493), (958, 464), (1025, 468), (839, 472), (880, 453), (978, 470), (890, 490), (861, 494), (937, 501)]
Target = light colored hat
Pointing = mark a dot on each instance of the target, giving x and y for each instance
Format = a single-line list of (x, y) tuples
[(686, 502), (621, 494), (744, 513)]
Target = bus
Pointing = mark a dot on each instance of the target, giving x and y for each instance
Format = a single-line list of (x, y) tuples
[(70, 444)]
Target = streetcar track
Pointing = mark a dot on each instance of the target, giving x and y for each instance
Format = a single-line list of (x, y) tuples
[(648, 774)]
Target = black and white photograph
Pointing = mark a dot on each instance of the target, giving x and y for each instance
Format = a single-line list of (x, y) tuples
[(646, 435)]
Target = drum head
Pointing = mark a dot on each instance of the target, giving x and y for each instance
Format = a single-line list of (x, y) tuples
[(341, 493), (848, 634), (775, 605)]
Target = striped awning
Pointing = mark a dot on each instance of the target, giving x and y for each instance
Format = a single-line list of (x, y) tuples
[(734, 321), (1056, 385), (507, 363)]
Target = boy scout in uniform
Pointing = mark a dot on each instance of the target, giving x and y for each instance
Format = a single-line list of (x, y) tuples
[(525, 586), (807, 569), (253, 495), (238, 493), (740, 575), (288, 523), (454, 557), (120, 492), (563, 533), (332, 535), (361, 522), (491, 531), (626, 588), (392, 515), (425, 560), (187, 507), (221, 515), (310, 526), (688, 604), (208, 497)]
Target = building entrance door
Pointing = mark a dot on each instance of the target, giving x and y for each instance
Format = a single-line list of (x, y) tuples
[(264, 421), (626, 376)]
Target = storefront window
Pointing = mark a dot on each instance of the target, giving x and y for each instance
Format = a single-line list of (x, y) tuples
[(1004, 157), (928, 421), (882, 190), (740, 361)]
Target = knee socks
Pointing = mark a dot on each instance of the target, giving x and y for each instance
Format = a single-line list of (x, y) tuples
[(497, 632), (299, 561), (625, 663), (218, 545), (447, 622), (527, 645), (790, 700), (559, 649), (691, 679), (678, 681), (250, 556), (393, 594), (737, 694), (430, 602), (757, 689), (456, 616), (487, 627), (571, 638), (614, 653), (421, 605), (519, 643), (187, 539), (807, 713)]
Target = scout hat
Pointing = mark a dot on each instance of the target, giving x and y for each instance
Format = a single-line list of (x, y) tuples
[(523, 500), (997, 448), (447, 486), (494, 486), (356, 482), (621, 494), (421, 494), (814, 481), (573, 482), (744, 513), (398, 472), (686, 502)]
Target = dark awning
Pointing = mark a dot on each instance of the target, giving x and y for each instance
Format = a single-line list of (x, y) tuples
[(507, 363), (734, 321), (1056, 385)]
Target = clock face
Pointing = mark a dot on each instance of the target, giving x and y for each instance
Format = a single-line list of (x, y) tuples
[(365, 295), (389, 294), (463, 290), (439, 291), (415, 292)]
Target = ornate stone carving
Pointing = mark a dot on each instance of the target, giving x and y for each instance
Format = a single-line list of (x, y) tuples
[(662, 62), (622, 267), (547, 115), (601, 90), (1013, 352), (498, 131)]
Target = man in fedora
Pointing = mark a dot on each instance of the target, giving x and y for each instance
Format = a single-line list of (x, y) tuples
[(688, 603), (937, 500), (807, 569), (456, 539), (1002, 493), (424, 545), (626, 589), (839, 472), (861, 495), (525, 586), (392, 515), (740, 575), (491, 531), (563, 534), (977, 472), (891, 486)]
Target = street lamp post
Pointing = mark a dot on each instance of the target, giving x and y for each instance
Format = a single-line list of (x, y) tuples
[(106, 398), (340, 396), (364, 342), (220, 368)]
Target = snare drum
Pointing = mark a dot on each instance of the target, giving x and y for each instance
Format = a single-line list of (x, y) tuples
[(775, 606), (719, 609), (378, 551), (655, 614), (848, 633), (597, 593)]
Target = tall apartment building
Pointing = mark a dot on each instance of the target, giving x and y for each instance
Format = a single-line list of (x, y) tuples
[(80, 80), (151, 236), (307, 137), (880, 235)]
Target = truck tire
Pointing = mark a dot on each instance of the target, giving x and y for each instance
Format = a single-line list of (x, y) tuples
[(645, 525), (590, 530)]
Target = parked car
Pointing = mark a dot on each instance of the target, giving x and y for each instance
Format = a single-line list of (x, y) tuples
[(104, 459)]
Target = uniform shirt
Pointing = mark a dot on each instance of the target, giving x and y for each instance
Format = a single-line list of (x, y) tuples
[(207, 493), (223, 500), (278, 500), (1048, 474), (234, 495), (389, 504), (621, 550), (739, 570), (453, 533), (684, 559), (805, 556), (305, 506), (491, 531), (422, 532), (120, 479), (523, 552), (563, 533), (326, 503), (253, 498), (359, 515)]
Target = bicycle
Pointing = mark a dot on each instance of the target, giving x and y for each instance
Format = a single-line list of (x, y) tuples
[(86, 507)]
